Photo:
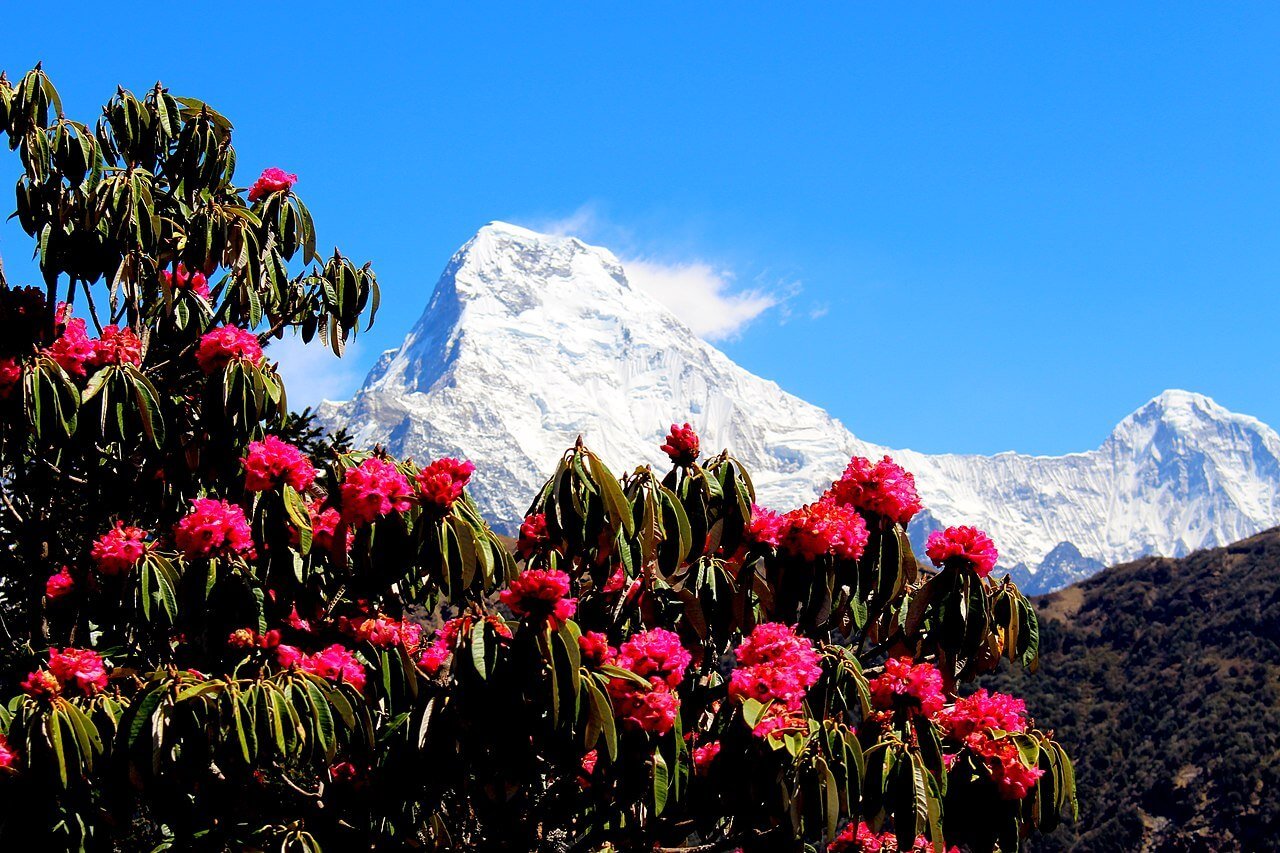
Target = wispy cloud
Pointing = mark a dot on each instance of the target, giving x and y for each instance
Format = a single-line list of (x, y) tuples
[(700, 293), (312, 373)]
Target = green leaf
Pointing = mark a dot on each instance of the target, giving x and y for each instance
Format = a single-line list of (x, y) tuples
[(661, 782), (478, 648)]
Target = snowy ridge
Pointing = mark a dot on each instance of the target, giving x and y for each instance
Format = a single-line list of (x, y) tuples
[(530, 340)]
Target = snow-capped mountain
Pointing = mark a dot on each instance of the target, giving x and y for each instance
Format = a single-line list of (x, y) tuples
[(530, 340)]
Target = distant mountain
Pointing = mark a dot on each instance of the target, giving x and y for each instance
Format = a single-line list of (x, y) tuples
[(1162, 678), (529, 340)]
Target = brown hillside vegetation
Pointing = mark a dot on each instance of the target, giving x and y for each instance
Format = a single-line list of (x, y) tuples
[(1163, 678)]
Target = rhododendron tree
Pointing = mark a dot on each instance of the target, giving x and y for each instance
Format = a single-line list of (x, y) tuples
[(225, 630)]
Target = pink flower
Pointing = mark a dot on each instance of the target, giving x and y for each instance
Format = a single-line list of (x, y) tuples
[(984, 712), (10, 376), (703, 756), (225, 344), (825, 528), (121, 548), (589, 762), (883, 488), (8, 757), (616, 581), (213, 528), (541, 594), (271, 180), (384, 632), (775, 665), (324, 526), (1013, 779), (594, 647), (908, 687), (116, 346), (963, 544), (271, 462), (681, 445), (655, 654), (41, 684), (73, 349), (652, 710), (766, 526), (533, 536), (334, 664), (59, 585), (373, 489), (344, 773), (777, 722), (441, 483), (434, 657), (78, 668), (196, 282)]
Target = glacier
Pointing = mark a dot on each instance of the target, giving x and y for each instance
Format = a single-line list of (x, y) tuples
[(530, 340)]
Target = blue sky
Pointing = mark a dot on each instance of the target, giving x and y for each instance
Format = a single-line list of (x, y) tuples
[(982, 226)]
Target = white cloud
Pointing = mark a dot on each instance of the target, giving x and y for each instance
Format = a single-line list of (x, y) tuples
[(312, 373), (700, 295)]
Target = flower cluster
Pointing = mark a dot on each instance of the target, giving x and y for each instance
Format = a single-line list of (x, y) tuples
[(334, 664), (8, 757), (982, 712), (884, 488), (195, 282), (441, 483), (594, 648), (225, 344), (272, 462), (658, 657), (73, 349), (682, 445), (908, 687), (774, 665), (59, 585), (967, 544), (1013, 779), (383, 632), (213, 528), (533, 536), (372, 489), (825, 528), (862, 839), (79, 670), (766, 526), (271, 180), (10, 375), (704, 755), (115, 346), (541, 594), (247, 638), (117, 551)]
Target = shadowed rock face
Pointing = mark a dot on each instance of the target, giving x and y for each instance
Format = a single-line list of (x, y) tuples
[(529, 340)]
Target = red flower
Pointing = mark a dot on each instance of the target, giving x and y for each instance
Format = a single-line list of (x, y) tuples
[(681, 445), (441, 483), (271, 462), (196, 282), (703, 756), (433, 658), (533, 536), (213, 528), (883, 488), (59, 585), (825, 528), (373, 489), (594, 647), (73, 349), (775, 665), (116, 346), (121, 548), (383, 632), (334, 664), (652, 710), (225, 344), (10, 376), (1003, 760), (271, 180), (963, 544), (655, 654), (541, 594), (81, 669), (984, 712), (908, 687), (41, 684), (8, 757), (589, 762)]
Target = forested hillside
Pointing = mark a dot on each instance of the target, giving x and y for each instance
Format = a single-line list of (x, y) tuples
[(1163, 678)]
